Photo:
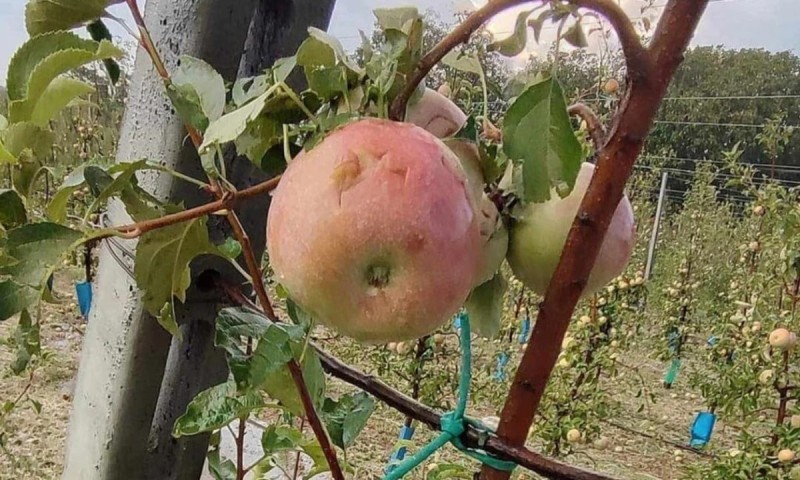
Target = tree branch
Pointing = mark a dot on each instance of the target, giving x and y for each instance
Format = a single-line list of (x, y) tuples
[(404, 404), (635, 53), (596, 131), (615, 162)]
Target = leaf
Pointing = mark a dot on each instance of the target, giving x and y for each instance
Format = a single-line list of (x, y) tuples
[(346, 418), (215, 408), (15, 298), (50, 67), (274, 350), (28, 342), (485, 306), (162, 261), (58, 95), (166, 318), (514, 44), (401, 18), (246, 89), (57, 209), (50, 15), (280, 438), (258, 137), (5, 156), (220, 470), (98, 31), (575, 36), (198, 92), (28, 137), (12, 209), (463, 62), (537, 131), (335, 45), (298, 315), (124, 181), (231, 125), (537, 23), (230, 249), (33, 51), (38, 248)]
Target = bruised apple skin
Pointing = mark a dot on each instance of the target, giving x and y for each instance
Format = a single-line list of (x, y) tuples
[(375, 233), (538, 237)]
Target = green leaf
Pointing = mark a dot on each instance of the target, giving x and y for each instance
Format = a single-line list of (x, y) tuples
[(162, 261), (230, 249), (485, 306), (166, 318), (58, 95), (122, 182), (215, 408), (246, 89), (537, 132), (5, 156), (335, 45), (28, 342), (33, 51), (514, 44), (197, 91), (233, 124), (15, 298), (346, 418), (219, 469), (298, 315), (537, 23), (28, 138), (57, 209), (258, 137), (38, 248), (401, 18), (280, 386), (280, 438), (463, 62), (12, 209), (49, 68), (575, 36), (50, 15)]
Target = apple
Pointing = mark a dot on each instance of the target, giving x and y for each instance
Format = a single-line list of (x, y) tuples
[(611, 86), (602, 443), (540, 231), (786, 455), (574, 436), (759, 210), (374, 232), (765, 377), (782, 338)]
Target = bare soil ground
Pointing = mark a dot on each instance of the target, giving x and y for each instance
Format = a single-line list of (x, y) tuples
[(639, 451)]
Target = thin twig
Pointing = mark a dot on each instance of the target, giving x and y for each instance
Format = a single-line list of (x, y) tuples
[(596, 131)]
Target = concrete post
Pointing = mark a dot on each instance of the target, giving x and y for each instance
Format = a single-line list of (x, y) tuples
[(134, 380)]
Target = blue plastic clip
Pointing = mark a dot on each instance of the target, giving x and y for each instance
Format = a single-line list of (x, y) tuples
[(405, 434), (712, 340), (524, 330), (702, 429), (500, 371), (84, 292)]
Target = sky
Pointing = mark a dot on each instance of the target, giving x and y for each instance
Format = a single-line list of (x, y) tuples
[(769, 24)]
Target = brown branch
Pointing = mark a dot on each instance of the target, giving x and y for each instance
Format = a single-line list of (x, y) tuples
[(404, 404), (228, 201), (615, 162), (635, 54), (596, 131)]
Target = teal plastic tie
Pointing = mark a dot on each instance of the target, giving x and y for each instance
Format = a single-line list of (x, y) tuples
[(453, 423)]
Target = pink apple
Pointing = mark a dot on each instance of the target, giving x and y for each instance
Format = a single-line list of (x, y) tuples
[(539, 234), (375, 233)]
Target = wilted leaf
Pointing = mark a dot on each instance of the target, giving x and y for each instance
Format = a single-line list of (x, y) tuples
[(216, 407), (162, 261), (98, 31), (575, 36), (538, 133), (346, 418), (485, 306), (537, 23), (12, 209), (514, 44)]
